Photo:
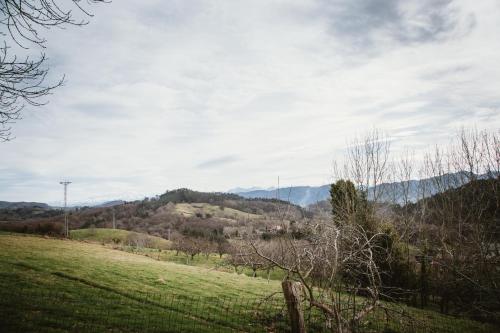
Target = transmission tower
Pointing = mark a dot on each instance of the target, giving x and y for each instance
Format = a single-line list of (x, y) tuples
[(66, 224)]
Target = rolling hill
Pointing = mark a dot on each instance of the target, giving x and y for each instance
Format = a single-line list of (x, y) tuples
[(53, 285), (22, 204)]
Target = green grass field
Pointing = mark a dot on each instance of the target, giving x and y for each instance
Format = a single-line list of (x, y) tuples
[(62, 285), (100, 276), (117, 239), (116, 236)]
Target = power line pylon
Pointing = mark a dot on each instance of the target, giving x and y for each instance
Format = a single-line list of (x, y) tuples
[(66, 223)]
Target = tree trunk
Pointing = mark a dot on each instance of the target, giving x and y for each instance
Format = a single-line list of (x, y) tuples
[(293, 293)]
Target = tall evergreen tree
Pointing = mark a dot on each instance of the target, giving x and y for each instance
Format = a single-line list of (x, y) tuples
[(344, 200)]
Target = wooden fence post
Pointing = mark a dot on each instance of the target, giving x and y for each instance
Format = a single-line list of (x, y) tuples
[(293, 294)]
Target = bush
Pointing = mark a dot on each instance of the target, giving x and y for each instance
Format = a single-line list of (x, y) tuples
[(138, 240), (41, 228)]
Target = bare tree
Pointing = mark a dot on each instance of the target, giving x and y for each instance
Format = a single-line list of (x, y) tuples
[(334, 265), (452, 230), (460, 222), (235, 258), (222, 246), (367, 163), (191, 246), (403, 173), (242, 254), (139, 241), (22, 78), (343, 259)]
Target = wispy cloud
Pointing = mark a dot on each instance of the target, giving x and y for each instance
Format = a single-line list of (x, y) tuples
[(217, 162), (172, 94)]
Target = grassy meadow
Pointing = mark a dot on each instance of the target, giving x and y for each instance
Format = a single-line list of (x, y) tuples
[(117, 239), (86, 271), (44, 283), (117, 236)]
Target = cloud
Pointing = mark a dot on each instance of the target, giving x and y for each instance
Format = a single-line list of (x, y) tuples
[(373, 25), (217, 162), (161, 95)]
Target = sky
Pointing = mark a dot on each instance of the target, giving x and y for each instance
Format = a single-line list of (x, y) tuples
[(216, 94)]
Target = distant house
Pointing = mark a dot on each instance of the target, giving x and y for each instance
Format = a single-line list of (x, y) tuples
[(238, 232), (278, 228)]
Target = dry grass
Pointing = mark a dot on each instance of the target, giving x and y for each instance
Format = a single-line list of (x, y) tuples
[(191, 209)]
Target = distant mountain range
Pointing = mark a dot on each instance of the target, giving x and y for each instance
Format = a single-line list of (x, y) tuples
[(390, 192), (249, 189), (299, 195), (110, 203), (22, 204), (304, 195), (40, 205), (307, 195)]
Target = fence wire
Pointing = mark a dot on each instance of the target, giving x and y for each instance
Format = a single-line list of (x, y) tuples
[(94, 310)]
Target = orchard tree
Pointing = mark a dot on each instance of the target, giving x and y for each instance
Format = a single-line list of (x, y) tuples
[(222, 246)]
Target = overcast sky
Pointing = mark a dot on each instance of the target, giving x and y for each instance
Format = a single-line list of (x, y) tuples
[(217, 94)]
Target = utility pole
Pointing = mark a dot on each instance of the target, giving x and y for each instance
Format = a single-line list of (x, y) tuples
[(114, 219), (423, 260), (278, 190), (66, 223)]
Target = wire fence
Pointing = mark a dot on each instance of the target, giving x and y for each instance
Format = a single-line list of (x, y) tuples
[(103, 311), (91, 310)]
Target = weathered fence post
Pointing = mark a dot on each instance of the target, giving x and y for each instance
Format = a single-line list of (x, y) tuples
[(293, 293)]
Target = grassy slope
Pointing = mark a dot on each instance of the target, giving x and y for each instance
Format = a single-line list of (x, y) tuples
[(31, 264), (119, 270), (190, 209), (212, 261), (110, 236), (103, 278)]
